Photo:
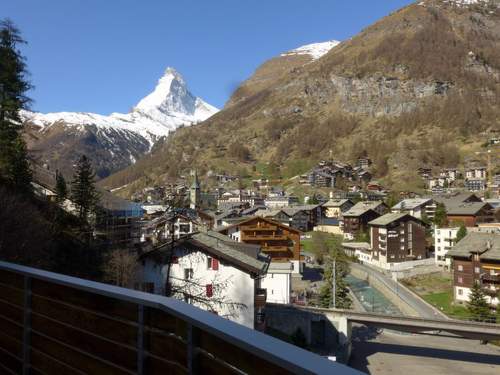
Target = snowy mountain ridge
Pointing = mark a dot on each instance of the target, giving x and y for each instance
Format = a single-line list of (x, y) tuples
[(169, 106), (315, 50)]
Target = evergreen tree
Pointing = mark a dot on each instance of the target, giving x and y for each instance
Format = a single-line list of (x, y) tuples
[(342, 299), (83, 191), (440, 215), (14, 165), (462, 232), (477, 305), (61, 188)]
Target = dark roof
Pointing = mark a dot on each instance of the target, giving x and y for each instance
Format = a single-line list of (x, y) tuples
[(243, 256), (391, 217), (361, 208), (471, 208), (453, 200), (485, 244)]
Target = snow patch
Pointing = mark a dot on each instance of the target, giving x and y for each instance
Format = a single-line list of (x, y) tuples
[(315, 50)]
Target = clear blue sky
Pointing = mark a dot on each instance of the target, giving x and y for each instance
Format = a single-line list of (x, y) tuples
[(104, 55)]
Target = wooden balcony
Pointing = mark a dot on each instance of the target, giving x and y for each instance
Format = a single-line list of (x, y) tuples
[(264, 237), (51, 323), (272, 249), (267, 227)]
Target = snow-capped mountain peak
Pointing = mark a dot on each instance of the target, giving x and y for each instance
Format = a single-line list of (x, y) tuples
[(167, 107), (125, 136), (170, 94)]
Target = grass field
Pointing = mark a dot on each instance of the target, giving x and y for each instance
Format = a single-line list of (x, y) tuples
[(437, 290), (444, 302), (308, 243)]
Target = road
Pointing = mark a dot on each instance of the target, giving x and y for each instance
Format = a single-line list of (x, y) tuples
[(420, 306), (392, 353)]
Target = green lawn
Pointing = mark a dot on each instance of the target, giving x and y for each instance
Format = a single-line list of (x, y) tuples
[(308, 243), (444, 302)]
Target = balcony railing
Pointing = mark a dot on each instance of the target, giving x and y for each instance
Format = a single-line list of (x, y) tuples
[(264, 237), (51, 323), (259, 227)]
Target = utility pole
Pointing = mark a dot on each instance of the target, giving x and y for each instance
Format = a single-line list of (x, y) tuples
[(334, 285)]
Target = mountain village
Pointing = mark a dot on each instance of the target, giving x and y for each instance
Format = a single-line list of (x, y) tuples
[(322, 210)]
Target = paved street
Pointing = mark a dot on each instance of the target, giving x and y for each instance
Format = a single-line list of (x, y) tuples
[(392, 353)]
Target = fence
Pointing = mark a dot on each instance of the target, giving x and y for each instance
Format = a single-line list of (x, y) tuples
[(51, 323)]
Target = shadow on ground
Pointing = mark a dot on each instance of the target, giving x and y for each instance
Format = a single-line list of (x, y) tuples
[(362, 337)]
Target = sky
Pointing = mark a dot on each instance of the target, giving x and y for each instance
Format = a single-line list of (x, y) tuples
[(103, 56)]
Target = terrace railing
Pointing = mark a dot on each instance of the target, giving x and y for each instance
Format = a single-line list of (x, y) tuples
[(56, 324)]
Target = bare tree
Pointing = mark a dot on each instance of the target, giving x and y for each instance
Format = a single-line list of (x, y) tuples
[(121, 268), (194, 289)]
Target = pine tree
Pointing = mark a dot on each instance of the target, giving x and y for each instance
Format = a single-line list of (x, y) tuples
[(61, 188), (461, 233), (440, 215), (477, 305), (14, 165), (83, 191), (342, 298)]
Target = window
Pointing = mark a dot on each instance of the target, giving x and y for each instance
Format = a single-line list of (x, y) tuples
[(209, 263), (460, 267), (439, 240), (477, 270), (209, 290), (215, 264), (188, 273), (460, 280), (460, 292)]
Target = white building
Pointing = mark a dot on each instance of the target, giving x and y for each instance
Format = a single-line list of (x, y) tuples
[(416, 207), (475, 173), (280, 201), (212, 272), (444, 239), (278, 282)]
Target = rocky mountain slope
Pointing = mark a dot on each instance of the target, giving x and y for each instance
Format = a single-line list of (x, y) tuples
[(419, 87), (113, 142)]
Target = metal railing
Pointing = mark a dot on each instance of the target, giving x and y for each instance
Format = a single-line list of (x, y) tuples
[(51, 323)]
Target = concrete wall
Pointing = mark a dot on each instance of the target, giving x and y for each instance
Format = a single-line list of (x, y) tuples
[(384, 289), (325, 334)]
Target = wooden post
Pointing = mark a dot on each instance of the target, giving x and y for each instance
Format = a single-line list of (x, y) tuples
[(192, 351), (140, 339), (27, 326)]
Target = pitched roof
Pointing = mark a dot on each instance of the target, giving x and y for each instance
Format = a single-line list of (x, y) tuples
[(390, 217), (451, 200), (292, 210), (486, 244), (244, 256), (336, 202), (361, 208), (471, 208), (410, 204)]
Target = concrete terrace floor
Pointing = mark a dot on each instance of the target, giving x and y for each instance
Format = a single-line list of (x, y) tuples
[(392, 353)]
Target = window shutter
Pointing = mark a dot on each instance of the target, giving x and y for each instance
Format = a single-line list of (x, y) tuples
[(215, 264), (210, 290)]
